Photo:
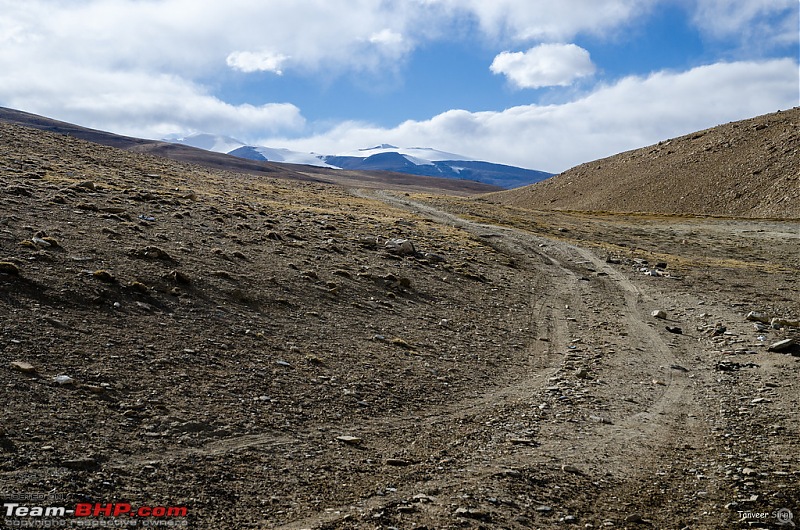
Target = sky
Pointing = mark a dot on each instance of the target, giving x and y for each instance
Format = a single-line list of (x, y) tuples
[(540, 84)]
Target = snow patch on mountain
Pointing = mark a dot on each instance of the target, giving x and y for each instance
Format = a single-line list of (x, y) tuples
[(209, 142), (416, 155)]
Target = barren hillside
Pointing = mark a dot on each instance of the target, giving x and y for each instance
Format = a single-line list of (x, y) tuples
[(749, 168), (270, 353)]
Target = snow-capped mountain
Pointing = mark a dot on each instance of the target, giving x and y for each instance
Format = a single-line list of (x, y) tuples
[(423, 161), (209, 142), (286, 156), (434, 163)]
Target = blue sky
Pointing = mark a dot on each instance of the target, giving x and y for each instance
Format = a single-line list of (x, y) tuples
[(534, 83)]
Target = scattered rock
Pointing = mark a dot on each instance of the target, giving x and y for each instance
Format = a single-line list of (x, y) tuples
[(778, 323), (63, 380), (397, 341), (659, 313), (22, 366), (522, 441), (349, 440), (177, 276), (674, 329), (782, 345), (104, 276), (567, 468), (80, 463), (472, 513), (753, 316), (402, 247), (7, 267)]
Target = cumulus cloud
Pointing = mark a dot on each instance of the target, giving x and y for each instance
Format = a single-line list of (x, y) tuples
[(633, 112), (248, 62), (544, 65)]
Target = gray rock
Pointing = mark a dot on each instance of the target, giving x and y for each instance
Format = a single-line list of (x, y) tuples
[(22, 366), (403, 247), (782, 345), (753, 316), (659, 313)]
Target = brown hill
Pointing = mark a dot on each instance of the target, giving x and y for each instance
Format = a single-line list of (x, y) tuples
[(748, 168), (224, 162)]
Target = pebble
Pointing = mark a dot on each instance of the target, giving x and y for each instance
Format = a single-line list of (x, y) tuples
[(349, 440), (753, 316), (9, 268), (781, 345), (63, 379), (22, 366)]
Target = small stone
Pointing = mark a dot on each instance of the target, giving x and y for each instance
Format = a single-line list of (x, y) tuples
[(544, 509), (80, 463), (582, 373), (567, 468), (349, 440), (634, 518), (679, 368), (63, 379), (22, 366), (397, 341), (397, 462), (753, 316), (674, 329), (659, 313), (104, 276), (781, 345), (9, 268), (522, 441), (472, 513), (403, 247), (778, 323)]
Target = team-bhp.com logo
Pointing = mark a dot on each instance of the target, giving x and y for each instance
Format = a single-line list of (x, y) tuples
[(94, 515)]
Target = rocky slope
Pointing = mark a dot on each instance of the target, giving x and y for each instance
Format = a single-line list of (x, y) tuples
[(271, 353), (749, 168)]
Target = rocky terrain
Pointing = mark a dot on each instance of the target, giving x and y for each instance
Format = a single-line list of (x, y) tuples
[(749, 168), (272, 353)]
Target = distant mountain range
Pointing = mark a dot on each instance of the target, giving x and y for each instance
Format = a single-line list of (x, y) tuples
[(421, 161)]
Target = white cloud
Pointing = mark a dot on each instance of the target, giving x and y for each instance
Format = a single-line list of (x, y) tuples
[(386, 37), (248, 62), (544, 65), (759, 23), (633, 112), (547, 20)]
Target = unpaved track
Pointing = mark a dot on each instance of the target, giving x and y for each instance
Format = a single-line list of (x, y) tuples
[(604, 397)]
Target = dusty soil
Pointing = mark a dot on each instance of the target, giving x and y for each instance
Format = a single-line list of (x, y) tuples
[(250, 349), (748, 168)]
